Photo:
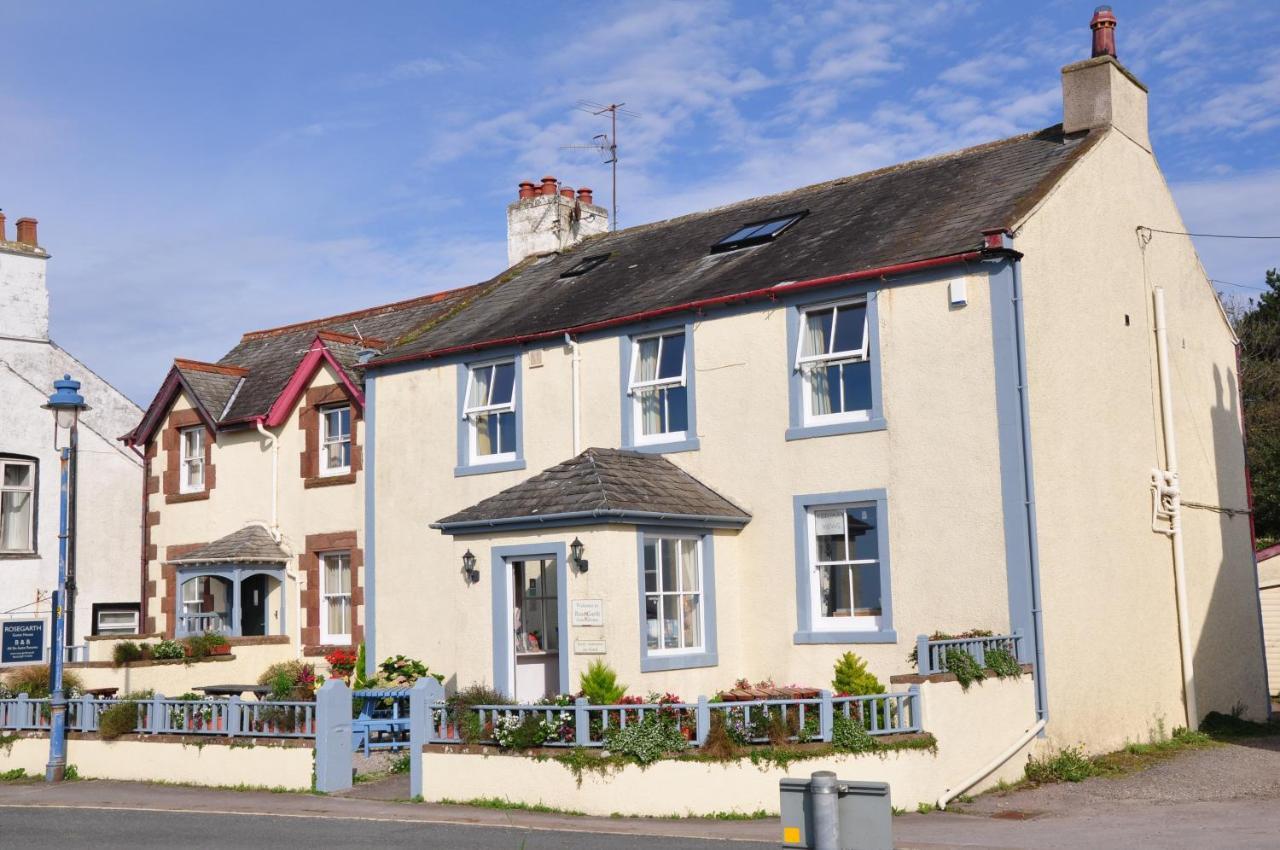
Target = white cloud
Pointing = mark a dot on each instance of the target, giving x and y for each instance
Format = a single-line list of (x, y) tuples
[(1246, 204)]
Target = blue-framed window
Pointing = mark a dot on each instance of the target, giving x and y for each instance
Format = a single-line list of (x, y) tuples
[(843, 592), (657, 382), (490, 416), (834, 361), (677, 590)]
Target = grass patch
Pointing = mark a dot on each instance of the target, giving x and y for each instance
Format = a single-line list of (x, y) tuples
[(508, 805), (1072, 765), (15, 775), (758, 814)]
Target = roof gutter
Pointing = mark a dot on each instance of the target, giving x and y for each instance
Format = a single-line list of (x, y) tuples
[(771, 292), (599, 515)]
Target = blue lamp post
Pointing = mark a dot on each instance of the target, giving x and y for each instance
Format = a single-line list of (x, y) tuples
[(66, 404)]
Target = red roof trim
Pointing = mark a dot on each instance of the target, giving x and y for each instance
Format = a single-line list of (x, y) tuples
[(773, 291), (301, 378), (173, 384), (214, 368)]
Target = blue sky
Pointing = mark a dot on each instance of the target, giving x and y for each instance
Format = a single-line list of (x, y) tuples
[(201, 169)]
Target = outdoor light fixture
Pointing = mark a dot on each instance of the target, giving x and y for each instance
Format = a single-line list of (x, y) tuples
[(469, 567), (575, 555), (66, 404)]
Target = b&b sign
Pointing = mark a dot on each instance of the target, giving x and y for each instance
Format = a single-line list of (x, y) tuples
[(22, 642)]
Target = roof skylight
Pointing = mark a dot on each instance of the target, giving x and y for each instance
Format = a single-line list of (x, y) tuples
[(757, 232), (585, 265)]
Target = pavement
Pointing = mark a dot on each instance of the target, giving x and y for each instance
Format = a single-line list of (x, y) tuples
[(1220, 797)]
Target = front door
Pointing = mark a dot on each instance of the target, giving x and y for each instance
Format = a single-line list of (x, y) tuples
[(535, 633), (253, 605)]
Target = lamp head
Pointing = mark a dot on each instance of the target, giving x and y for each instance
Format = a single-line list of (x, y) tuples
[(66, 402)]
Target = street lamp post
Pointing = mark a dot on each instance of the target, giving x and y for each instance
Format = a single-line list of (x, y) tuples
[(66, 403)]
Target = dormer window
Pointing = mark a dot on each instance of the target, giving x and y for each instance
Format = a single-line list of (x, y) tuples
[(335, 437), (757, 232), (585, 265)]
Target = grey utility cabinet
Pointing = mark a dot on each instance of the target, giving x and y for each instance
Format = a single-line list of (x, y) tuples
[(865, 813)]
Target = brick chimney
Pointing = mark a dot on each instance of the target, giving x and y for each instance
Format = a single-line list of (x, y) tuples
[(1100, 92), (24, 297), (548, 217), (27, 232)]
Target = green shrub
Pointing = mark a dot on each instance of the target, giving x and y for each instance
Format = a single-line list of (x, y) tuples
[(71, 773), (600, 684), (646, 741), (848, 735), (1069, 765), (13, 775), (400, 764), (125, 652), (400, 671), (34, 681), (359, 681), (513, 732), (963, 666), (470, 726), (290, 680), (167, 650), (119, 719), (852, 678), (720, 743), (1003, 663), (199, 646)]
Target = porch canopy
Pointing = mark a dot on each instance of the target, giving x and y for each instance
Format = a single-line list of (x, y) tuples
[(234, 585), (601, 486)]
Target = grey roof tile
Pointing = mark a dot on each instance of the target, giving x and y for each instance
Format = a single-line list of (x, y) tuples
[(919, 210), (212, 390), (252, 544), (607, 484)]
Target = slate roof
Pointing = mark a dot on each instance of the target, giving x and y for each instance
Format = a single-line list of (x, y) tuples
[(252, 544), (920, 210), (601, 485), (213, 390)]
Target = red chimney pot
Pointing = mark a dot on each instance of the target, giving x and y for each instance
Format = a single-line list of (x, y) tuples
[(567, 193), (584, 195), (27, 231), (3, 238), (548, 185), (527, 190), (1104, 32)]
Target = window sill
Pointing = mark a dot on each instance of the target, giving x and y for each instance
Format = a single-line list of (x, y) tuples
[(689, 444), (19, 556), (868, 636), (329, 480), (659, 663), (174, 498), (483, 468), (804, 432)]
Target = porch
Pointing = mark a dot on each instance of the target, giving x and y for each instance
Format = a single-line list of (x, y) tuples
[(234, 586)]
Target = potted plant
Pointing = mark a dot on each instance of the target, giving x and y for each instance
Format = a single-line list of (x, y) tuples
[(342, 663), (208, 644)]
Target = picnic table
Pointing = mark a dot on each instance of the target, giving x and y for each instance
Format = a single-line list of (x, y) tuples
[(380, 726), (102, 693), (258, 691)]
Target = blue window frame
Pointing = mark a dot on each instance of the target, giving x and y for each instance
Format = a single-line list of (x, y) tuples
[(676, 573), (490, 416), (659, 411), (833, 350), (843, 591)]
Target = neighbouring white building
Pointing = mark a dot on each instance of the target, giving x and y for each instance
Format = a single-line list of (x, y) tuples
[(105, 562)]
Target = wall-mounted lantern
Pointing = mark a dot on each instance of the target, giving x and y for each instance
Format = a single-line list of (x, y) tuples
[(575, 555), (469, 567)]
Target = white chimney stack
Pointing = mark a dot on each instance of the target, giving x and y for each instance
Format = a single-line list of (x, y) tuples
[(547, 218)]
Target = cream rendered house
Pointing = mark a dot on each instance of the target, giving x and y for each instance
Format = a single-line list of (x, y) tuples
[(920, 399), (255, 484)]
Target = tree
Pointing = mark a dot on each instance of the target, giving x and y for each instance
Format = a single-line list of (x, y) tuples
[(1259, 332)]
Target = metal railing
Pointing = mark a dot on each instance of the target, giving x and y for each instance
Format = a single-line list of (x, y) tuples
[(931, 655), (581, 724), (160, 716)]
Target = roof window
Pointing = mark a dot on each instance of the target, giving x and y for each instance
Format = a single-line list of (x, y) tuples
[(757, 232), (585, 265)]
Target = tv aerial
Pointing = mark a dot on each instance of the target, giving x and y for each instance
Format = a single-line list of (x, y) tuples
[(606, 144)]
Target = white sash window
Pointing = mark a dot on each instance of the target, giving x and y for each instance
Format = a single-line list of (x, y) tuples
[(833, 358), (191, 467), (17, 505), (490, 412), (658, 388)]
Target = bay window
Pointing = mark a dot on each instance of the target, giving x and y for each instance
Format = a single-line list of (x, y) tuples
[(672, 594)]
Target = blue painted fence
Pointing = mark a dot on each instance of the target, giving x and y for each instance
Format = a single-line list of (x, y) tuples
[(160, 716), (931, 655)]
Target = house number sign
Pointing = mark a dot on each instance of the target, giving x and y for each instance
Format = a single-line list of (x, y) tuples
[(589, 647), (588, 612)]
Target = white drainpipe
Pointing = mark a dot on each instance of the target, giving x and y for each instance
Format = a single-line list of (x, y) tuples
[(956, 790), (577, 402), (1169, 503), (275, 528)]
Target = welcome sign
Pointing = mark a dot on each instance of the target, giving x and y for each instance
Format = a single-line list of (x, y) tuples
[(22, 642)]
